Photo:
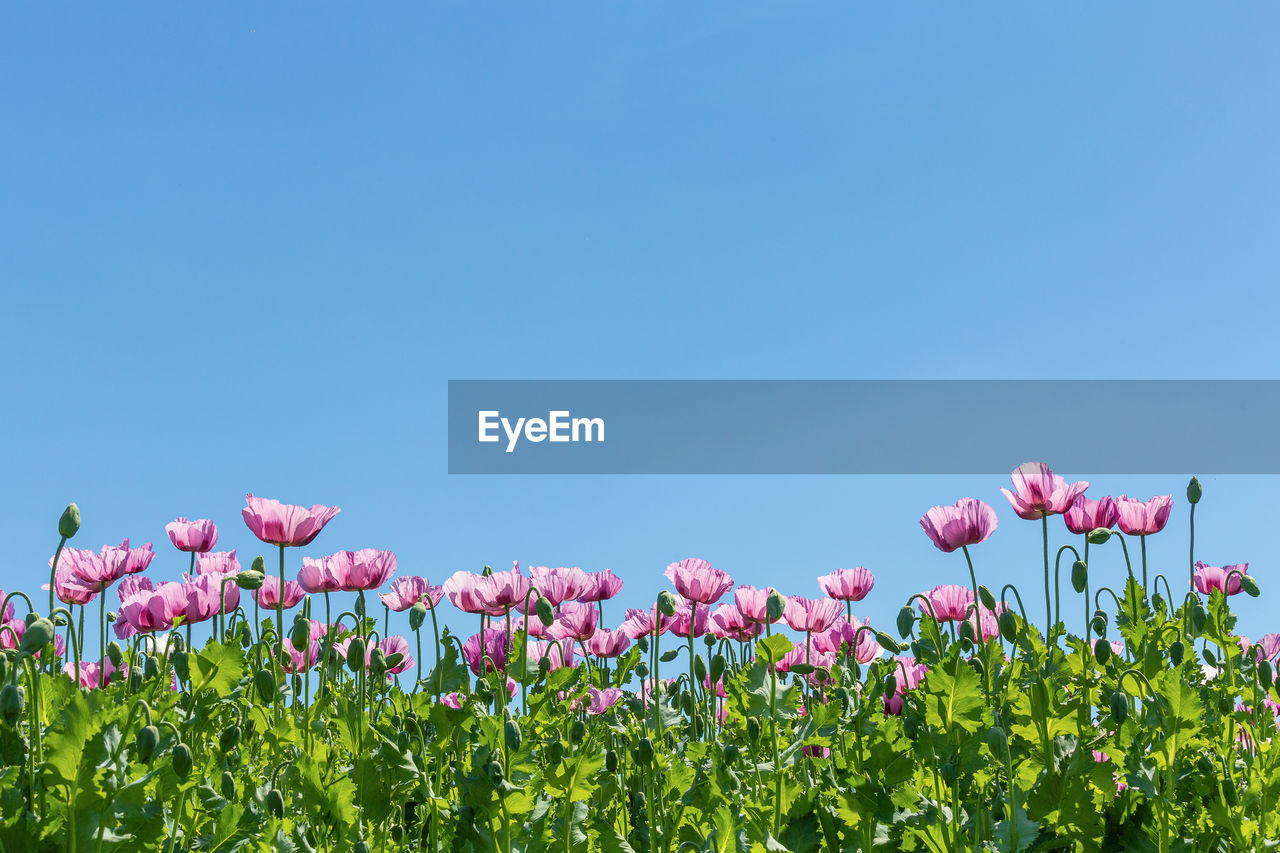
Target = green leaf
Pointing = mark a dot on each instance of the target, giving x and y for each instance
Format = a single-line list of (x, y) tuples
[(773, 649), (954, 699), (218, 668), (575, 776)]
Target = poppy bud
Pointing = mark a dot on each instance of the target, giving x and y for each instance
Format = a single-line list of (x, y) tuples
[(645, 751), (511, 730), (753, 729), (484, 692), (228, 785), (1209, 656), (1194, 491), (717, 668), (906, 621), (397, 833), (150, 666), (1079, 575), (1225, 705), (1098, 536), (667, 603), (1265, 674), (966, 631), (889, 643), (355, 654), (642, 669), (910, 727), (1119, 708), (251, 579), (417, 615), (13, 699), (730, 754), (699, 668), (1101, 650), (1198, 618), (114, 654), (182, 760), (179, 661), (378, 661), (643, 645), (668, 657), (230, 738), (997, 741), (1249, 584), (1157, 602), (546, 615), (555, 752), (1176, 651), (265, 683), (890, 684), (496, 774), (38, 635), (70, 521), (686, 702), (611, 761), (775, 604), (977, 666), (275, 803), (300, 633), (1204, 765), (1008, 626)]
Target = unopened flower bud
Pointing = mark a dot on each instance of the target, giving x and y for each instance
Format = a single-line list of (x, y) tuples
[(250, 580), (1079, 575), (1194, 491), (417, 615), (1099, 536), (906, 620), (667, 603), (775, 604), (70, 521), (546, 615)]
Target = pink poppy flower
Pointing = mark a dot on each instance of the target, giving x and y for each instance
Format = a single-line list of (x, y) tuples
[(1209, 578), (847, 584), (134, 583), (641, 623), (696, 580), (207, 596), (300, 660), (89, 672), (495, 648), (1117, 647), (67, 586), (503, 590), (648, 687), (7, 613), (285, 524), (844, 634), (686, 620), (604, 586), (968, 521), (607, 644), (1139, 519), (1270, 644), (396, 644), (218, 563), (575, 621), (320, 575), (728, 623), (452, 700), (989, 621), (463, 590), (269, 593), (560, 584), (159, 609), (531, 625), (1084, 514), (368, 568), (199, 535), (602, 700), (98, 570), (1039, 492), (408, 590), (908, 674), (139, 558), (753, 603), (810, 615), (950, 602)]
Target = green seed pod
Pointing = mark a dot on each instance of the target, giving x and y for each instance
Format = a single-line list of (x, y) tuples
[(378, 662), (1119, 708), (1099, 536), (114, 654), (1008, 626), (355, 654), (1176, 652), (987, 598), (998, 742), (1204, 765), (417, 615), (251, 579), (13, 699), (513, 736), (1194, 491), (578, 731), (718, 664), (275, 803), (611, 761), (545, 612), (230, 738), (182, 760), (496, 774), (686, 702), (1101, 650), (1250, 585), (1209, 656), (910, 727), (397, 833), (361, 847), (977, 666), (483, 692), (1265, 674), (890, 684), (730, 754), (1079, 576), (1157, 603), (699, 669), (966, 632), (265, 683), (228, 785), (1198, 618), (753, 729), (667, 603), (906, 621), (645, 751), (642, 669), (38, 635), (775, 604), (300, 633), (555, 752), (69, 524), (889, 643), (643, 645)]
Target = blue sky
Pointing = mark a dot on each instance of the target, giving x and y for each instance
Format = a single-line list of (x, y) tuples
[(248, 244)]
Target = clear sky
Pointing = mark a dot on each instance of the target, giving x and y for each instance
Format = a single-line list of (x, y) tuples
[(245, 245)]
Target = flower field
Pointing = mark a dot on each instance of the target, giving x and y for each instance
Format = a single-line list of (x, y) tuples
[(268, 708)]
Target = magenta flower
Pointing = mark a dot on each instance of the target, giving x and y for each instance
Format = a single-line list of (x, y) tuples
[(452, 700), (67, 585), (607, 644), (218, 563), (368, 568), (909, 674), (753, 603), (1270, 644), (560, 584), (950, 603), (576, 621), (495, 647), (159, 609), (300, 660), (697, 581), (810, 615), (1210, 578), (320, 575), (408, 590), (532, 625), (1084, 514), (199, 535), (728, 623), (1139, 519), (396, 644), (844, 634), (557, 653), (686, 621), (1039, 492), (7, 613), (269, 593), (99, 570), (285, 524), (503, 590), (641, 623), (988, 621), (604, 586), (847, 584), (134, 583), (968, 521), (89, 673), (809, 657), (139, 558), (599, 701), (463, 591), (207, 596)]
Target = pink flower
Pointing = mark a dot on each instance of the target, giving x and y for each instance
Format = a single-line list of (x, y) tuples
[(7, 612), (848, 584), (139, 558), (607, 644), (319, 575), (396, 644), (950, 603), (728, 623), (134, 583), (575, 621), (89, 672), (98, 571), (532, 625), (269, 593), (560, 584), (908, 674), (604, 586), (67, 586), (810, 615), (351, 571), (408, 590), (503, 590), (285, 524), (218, 563), (1270, 644), (697, 581), (809, 657), (1084, 514), (203, 597), (968, 521), (1039, 492), (1139, 519), (495, 648), (301, 660), (641, 623), (600, 701), (686, 621), (452, 700), (845, 634), (1117, 647), (1209, 578), (557, 653), (753, 603), (463, 590), (199, 535), (989, 621), (159, 609)]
